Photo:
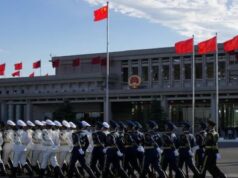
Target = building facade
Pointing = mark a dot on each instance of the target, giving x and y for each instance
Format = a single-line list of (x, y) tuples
[(165, 77)]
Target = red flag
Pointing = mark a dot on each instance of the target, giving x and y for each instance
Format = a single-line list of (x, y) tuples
[(184, 47), (18, 66), (36, 64), (96, 60), (16, 74), (76, 62), (208, 46), (231, 45), (2, 69), (55, 63), (101, 13), (2, 73), (104, 61), (32, 75)]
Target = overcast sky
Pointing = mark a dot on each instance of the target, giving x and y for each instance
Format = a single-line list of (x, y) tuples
[(34, 29)]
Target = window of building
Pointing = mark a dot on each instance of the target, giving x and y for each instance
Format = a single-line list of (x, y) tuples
[(177, 72), (198, 70), (125, 74), (187, 71), (222, 69), (145, 73), (134, 70), (210, 70), (155, 73), (165, 72)]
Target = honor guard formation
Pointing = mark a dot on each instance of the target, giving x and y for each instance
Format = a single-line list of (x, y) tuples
[(116, 149)]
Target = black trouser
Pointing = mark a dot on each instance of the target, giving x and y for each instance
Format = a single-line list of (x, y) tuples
[(199, 158), (210, 165), (76, 156), (151, 157), (168, 158), (130, 161), (187, 159), (112, 160), (98, 157)]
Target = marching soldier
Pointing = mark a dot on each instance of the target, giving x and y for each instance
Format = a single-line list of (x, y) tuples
[(186, 143), (170, 152), (2, 166), (30, 130), (211, 153)]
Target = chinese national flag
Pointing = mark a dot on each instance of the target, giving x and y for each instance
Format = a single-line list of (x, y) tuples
[(184, 47), (32, 75), (18, 66), (37, 64), (76, 62), (96, 60), (231, 45), (55, 63), (16, 74), (2, 69), (208, 46), (104, 61), (101, 13)]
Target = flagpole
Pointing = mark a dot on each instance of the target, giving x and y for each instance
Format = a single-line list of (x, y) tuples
[(40, 67), (217, 87), (193, 89), (108, 70)]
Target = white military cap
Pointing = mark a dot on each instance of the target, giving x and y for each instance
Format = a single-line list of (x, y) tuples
[(43, 123), (11, 123), (72, 125), (50, 122), (85, 124), (21, 123), (106, 125), (30, 123), (39, 123), (57, 123), (66, 123)]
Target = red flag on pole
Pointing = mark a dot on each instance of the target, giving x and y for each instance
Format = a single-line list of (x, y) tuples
[(37, 64), (2, 69), (18, 66), (101, 13), (55, 63), (16, 74), (184, 47), (208, 46), (32, 75), (96, 60), (231, 45), (76, 62)]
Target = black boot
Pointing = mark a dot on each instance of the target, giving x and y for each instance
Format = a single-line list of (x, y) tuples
[(14, 172), (3, 170), (29, 170), (58, 172), (42, 173)]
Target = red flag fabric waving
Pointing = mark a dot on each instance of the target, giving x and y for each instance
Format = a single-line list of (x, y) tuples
[(55, 63), (96, 60), (208, 46), (18, 66), (184, 47), (76, 62), (101, 13), (32, 75), (37, 64), (2, 69), (231, 45), (16, 74)]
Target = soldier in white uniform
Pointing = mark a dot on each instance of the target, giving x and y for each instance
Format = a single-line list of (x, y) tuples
[(2, 167), (30, 130), (8, 139), (49, 150), (21, 141)]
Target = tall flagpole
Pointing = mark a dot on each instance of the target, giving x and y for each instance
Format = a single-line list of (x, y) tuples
[(217, 87), (108, 70), (193, 89)]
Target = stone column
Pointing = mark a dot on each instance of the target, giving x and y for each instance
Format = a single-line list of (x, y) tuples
[(10, 111), (29, 111), (3, 111), (18, 112)]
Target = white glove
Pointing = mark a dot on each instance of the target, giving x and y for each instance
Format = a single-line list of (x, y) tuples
[(159, 150), (191, 153), (105, 150), (218, 156), (81, 151), (176, 153), (140, 149), (120, 154)]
